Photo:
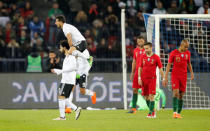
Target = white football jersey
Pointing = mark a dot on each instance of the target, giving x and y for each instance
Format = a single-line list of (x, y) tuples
[(77, 37), (83, 65)]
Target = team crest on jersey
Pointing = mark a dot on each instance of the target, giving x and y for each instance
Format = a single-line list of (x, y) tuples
[(152, 61), (182, 55), (140, 52), (148, 59), (177, 59)]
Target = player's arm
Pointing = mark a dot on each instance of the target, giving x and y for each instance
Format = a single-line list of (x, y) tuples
[(133, 69), (69, 38), (189, 65), (139, 76), (168, 67)]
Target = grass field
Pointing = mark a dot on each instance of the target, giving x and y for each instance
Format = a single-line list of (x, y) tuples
[(103, 120)]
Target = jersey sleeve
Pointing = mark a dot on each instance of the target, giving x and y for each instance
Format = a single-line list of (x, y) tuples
[(159, 63), (171, 58)]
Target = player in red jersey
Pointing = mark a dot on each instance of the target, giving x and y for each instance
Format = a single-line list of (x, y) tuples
[(181, 60), (138, 51), (147, 76)]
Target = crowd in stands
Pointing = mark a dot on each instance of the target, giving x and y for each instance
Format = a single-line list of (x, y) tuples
[(21, 28)]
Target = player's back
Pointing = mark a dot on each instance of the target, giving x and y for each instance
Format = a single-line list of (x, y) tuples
[(75, 33), (69, 70)]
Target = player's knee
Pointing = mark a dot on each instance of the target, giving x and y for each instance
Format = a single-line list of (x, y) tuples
[(135, 91), (82, 91)]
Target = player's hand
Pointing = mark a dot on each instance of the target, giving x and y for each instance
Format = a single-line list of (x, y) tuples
[(131, 76), (52, 70), (140, 82), (165, 82), (192, 76)]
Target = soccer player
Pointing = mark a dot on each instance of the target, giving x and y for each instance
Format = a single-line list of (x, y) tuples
[(181, 60), (137, 53), (67, 82), (147, 76), (75, 39)]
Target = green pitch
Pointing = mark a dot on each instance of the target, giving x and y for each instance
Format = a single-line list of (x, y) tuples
[(117, 120)]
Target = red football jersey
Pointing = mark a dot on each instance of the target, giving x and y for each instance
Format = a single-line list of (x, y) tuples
[(179, 61), (137, 53), (149, 65)]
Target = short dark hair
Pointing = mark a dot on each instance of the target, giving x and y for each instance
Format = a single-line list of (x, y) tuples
[(61, 18), (140, 37), (148, 43), (64, 43)]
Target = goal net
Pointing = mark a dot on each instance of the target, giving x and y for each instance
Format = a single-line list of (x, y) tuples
[(166, 32)]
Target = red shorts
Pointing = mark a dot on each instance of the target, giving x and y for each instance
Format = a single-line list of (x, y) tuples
[(148, 87), (135, 81), (179, 83)]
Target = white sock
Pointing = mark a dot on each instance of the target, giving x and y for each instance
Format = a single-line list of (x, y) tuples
[(68, 100), (61, 103), (80, 54), (73, 106), (88, 92)]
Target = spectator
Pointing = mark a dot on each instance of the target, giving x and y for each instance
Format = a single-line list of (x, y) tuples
[(143, 5), (91, 46), (34, 61), (101, 49), (3, 9), (53, 61), (112, 23), (27, 11), (13, 49), (37, 41), (173, 9), (8, 32), (81, 21), (36, 26), (132, 6), (54, 11), (159, 9), (23, 38), (99, 30), (20, 26), (204, 9), (93, 12)]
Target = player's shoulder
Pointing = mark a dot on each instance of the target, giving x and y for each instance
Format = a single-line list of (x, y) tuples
[(136, 49), (156, 56), (188, 52), (173, 51)]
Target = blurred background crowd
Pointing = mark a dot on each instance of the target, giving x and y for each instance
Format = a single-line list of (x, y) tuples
[(28, 27)]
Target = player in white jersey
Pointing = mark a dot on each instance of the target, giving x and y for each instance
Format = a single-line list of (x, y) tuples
[(67, 82), (75, 39)]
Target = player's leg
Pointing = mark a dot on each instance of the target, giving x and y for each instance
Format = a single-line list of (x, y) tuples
[(183, 82), (78, 50), (84, 91), (61, 103), (175, 88), (152, 92), (68, 107), (135, 87)]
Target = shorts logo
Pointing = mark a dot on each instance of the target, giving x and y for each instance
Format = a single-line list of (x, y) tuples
[(177, 59)]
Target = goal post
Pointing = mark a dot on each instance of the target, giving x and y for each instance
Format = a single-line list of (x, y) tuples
[(166, 31), (124, 63)]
